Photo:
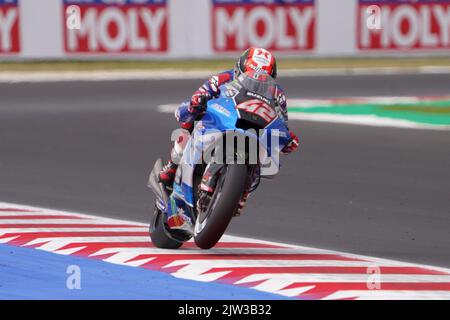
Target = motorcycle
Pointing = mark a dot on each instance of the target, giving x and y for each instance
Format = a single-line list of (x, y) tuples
[(236, 143)]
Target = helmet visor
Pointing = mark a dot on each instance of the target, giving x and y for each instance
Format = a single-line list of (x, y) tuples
[(258, 82)]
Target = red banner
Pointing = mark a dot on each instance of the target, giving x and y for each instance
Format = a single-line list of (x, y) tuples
[(132, 27), (403, 25), (9, 27), (279, 25)]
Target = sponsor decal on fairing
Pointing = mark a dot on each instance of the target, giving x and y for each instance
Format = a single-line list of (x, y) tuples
[(221, 109)]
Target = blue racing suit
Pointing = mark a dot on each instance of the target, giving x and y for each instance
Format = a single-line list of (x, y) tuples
[(186, 115)]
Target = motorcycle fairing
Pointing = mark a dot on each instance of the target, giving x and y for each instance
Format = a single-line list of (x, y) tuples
[(221, 116)]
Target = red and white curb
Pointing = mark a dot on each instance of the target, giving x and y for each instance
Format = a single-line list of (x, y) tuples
[(288, 270)]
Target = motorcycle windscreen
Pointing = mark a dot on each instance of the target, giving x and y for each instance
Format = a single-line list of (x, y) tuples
[(255, 111)]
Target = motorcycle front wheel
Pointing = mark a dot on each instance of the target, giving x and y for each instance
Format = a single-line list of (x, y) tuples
[(211, 224)]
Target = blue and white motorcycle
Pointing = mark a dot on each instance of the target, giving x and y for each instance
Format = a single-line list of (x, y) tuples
[(236, 143)]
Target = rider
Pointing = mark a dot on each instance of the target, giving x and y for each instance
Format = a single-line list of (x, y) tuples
[(253, 59), (186, 114)]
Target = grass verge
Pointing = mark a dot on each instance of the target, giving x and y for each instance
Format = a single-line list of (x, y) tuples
[(288, 63)]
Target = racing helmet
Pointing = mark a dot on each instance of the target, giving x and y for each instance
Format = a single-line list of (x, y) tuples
[(256, 59)]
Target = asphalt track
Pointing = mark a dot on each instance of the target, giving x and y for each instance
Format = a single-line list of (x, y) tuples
[(89, 146)]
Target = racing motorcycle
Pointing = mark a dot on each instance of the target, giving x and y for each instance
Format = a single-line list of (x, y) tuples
[(236, 143)]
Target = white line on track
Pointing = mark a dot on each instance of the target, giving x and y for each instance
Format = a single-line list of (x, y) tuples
[(273, 262), (90, 229), (69, 239), (219, 251), (310, 277), (174, 74), (37, 222), (39, 210), (391, 295), (365, 120)]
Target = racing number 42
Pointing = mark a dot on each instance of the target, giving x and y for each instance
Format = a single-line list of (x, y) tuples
[(258, 108)]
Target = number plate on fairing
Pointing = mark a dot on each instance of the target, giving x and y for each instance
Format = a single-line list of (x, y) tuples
[(256, 109)]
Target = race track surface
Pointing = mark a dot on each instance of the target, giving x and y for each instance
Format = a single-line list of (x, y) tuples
[(89, 146)]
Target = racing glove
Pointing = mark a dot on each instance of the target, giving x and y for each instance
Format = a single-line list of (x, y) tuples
[(292, 145), (198, 102)]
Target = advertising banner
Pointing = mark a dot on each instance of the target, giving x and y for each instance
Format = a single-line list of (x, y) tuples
[(278, 25), (115, 26), (9, 27), (403, 25)]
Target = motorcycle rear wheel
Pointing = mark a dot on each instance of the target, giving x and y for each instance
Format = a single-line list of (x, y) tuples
[(159, 236)]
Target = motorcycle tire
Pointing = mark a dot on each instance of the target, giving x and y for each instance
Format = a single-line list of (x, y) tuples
[(159, 237), (211, 225)]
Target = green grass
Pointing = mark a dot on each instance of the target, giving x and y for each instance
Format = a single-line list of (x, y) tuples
[(349, 63), (424, 112)]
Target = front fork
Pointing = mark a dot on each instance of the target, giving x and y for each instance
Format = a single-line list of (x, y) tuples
[(208, 185), (210, 177), (209, 181), (252, 183)]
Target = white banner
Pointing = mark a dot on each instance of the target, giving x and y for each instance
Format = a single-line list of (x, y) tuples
[(180, 29)]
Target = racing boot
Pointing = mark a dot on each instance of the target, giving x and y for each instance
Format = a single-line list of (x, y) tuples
[(167, 174)]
